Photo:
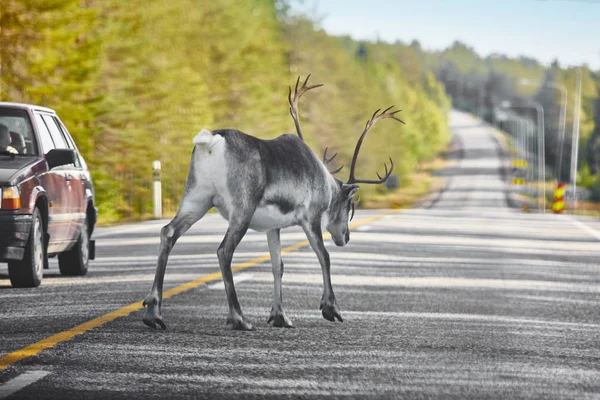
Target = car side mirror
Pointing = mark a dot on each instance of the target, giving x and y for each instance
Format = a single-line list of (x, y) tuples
[(58, 157)]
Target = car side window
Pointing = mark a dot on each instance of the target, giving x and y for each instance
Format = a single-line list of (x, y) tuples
[(57, 136), (78, 159), (45, 138), (60, 139)]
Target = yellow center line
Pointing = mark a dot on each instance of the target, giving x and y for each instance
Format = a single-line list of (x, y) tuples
[(51, 341)]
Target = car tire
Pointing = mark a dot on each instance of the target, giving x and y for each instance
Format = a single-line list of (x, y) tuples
[(74, 262), (29, 271)]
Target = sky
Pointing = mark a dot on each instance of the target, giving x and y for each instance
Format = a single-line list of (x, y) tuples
[(567, 30)]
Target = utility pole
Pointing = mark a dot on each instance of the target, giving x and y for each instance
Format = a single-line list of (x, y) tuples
[(542, 152), (562, 124), (575, 143)]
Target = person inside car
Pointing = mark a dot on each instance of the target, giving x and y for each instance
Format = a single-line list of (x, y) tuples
[(18, 142), (5, 141)]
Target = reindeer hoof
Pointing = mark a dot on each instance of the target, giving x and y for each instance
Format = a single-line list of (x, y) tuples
[(153, 322), (238, 324), (330, 312), (279, 319), (152, 316)]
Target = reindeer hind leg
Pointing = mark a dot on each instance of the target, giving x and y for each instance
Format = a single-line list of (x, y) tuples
[(190, 211)]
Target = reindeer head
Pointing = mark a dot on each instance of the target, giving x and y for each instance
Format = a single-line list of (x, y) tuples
[(340, 212), (342, 206), (341, 209)]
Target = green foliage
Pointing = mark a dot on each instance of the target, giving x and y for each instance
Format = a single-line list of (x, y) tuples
[(585, 178), (135, 81), (595, 192)]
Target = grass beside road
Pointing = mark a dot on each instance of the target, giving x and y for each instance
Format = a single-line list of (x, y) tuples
[(586, 208), (420, 183)]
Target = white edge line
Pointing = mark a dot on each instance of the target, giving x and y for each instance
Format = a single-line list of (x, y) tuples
[(584, 227), (21, 381)]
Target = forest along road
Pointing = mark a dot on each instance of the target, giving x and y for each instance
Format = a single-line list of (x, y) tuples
[(463, 298)]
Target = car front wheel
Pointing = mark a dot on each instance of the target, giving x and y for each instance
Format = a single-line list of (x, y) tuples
[(28, 272), (75, 261)]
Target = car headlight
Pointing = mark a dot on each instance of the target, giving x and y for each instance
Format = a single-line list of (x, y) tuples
[(11, 198)]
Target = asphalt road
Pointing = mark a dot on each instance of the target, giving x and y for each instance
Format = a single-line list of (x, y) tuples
[(463, 298)]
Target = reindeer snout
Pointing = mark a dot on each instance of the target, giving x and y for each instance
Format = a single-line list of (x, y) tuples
[(341, 240)]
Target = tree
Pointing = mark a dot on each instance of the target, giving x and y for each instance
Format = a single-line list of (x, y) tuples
[(135, 81)]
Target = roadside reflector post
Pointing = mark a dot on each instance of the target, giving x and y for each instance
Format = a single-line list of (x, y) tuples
[(157, 190), (559, 199)]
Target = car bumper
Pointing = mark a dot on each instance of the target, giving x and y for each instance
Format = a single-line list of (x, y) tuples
[(14, 232)]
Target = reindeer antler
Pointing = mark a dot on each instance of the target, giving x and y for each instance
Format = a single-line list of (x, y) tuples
[(328, 160), (376, 117), (294, 102)]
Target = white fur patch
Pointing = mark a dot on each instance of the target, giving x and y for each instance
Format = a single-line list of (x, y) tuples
[(269, 217), (204, 138)]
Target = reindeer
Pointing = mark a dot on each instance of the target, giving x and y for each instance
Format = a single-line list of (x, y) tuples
[(264, 185)]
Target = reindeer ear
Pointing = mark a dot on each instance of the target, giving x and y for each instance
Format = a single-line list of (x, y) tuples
[(349, 190)]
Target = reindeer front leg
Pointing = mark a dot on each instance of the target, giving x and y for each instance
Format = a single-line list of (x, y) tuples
[(277, 314), (314, 234)]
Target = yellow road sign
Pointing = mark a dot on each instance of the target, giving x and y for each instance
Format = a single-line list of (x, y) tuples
[(520, 163)]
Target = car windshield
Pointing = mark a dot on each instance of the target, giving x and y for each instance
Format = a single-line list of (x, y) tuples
[(16, 133)]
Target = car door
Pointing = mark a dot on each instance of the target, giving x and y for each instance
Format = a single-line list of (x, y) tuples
[(57, 191), (72, 177), (77, 180)]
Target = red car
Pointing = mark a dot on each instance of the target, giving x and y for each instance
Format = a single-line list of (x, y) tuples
[(47, 196)]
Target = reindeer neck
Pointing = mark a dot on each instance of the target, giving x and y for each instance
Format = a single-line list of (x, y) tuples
[(336, 191)]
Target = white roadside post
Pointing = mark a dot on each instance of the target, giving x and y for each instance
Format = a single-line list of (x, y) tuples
[(157, 190)]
